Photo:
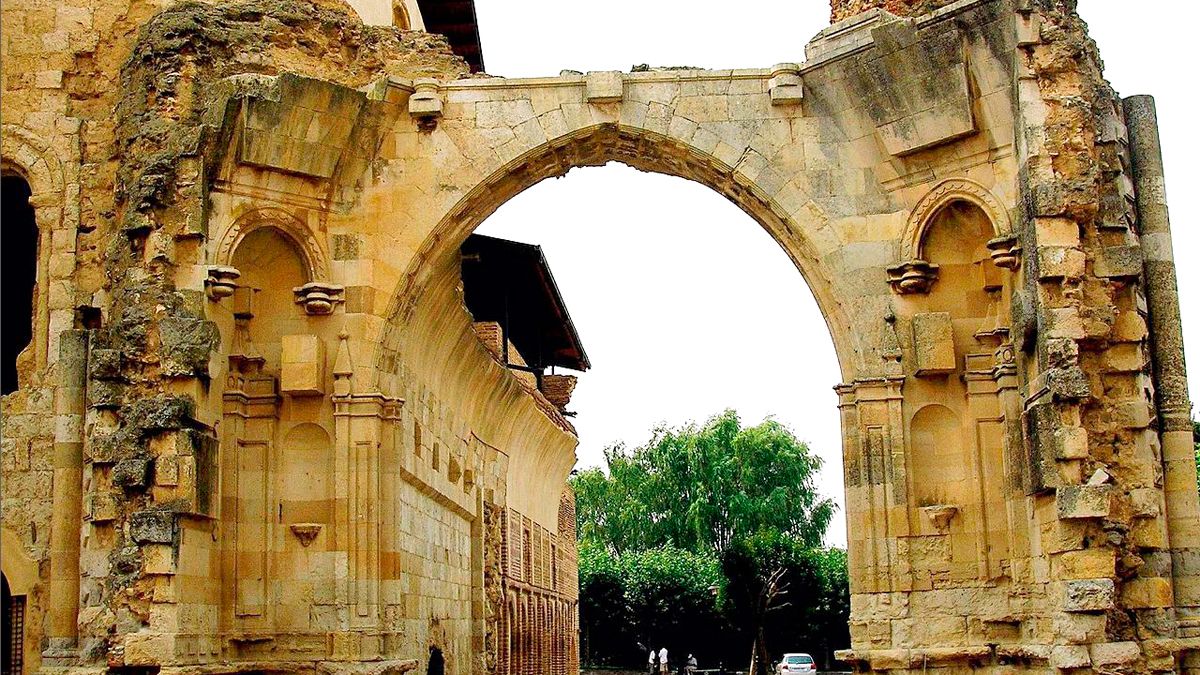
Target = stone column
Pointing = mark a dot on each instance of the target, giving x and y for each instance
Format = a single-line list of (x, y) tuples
[(1166, 343), (67, 519)]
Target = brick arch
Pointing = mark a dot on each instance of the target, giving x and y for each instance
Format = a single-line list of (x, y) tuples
[(651, 151)]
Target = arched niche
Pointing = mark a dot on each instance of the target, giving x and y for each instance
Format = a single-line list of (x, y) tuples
[(937, 458), (272, 266), (958, 239), (305, 467), (946, 193), (954, 200), (19, 250), (306, 245)]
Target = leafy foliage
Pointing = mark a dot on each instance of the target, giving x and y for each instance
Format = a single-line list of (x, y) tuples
[(1196, 441), (814, 607), (701, 488), (679, 537), (660, 595)]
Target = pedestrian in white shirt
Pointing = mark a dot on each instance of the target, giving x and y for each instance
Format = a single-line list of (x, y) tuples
[(662, 661)]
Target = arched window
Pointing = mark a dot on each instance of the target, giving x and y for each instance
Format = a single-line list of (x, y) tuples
[(400, 16), (18, 274)]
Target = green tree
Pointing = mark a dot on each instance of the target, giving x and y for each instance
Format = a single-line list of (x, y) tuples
[(658, 596), (605, 620), (701, 488), (784, 595), (1196, 442), (706, 540)]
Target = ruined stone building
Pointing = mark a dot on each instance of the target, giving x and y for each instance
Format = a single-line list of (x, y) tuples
[(264, 412)]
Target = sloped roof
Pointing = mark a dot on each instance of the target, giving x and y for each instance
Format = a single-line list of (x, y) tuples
[(509, 282)]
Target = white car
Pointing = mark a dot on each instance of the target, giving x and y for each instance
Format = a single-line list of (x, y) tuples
[(797, 663)]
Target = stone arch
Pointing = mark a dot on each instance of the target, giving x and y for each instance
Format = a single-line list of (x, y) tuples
[(20, 570), (645, 150), (311, 250), (941, 195), (25, 154), (426, 327)]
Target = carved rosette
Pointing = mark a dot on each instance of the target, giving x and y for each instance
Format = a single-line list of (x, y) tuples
[(319, 297), (913, 276), (1005, 251), (1005, 358)]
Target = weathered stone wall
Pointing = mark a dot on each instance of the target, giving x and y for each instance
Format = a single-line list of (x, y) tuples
[(845, 9), (257, 430), (151, 504)]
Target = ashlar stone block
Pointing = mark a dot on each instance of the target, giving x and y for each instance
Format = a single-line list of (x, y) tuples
[(1115, 653), (1083, 501), (303, 365), (1089, 595), (933, 342), (604, 86)]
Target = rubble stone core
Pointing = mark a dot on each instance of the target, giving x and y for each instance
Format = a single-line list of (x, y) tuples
[(257, 430)]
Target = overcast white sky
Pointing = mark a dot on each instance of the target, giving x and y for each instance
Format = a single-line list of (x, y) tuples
[(684, 304)]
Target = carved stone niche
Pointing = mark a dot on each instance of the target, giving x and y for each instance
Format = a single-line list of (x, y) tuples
[(913, 276), (319, 297)]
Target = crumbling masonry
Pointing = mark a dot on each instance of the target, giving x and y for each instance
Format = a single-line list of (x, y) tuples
[(256, 430)]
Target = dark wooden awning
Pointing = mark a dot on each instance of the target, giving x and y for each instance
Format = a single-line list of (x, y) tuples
[(456, 20), (510, 283)]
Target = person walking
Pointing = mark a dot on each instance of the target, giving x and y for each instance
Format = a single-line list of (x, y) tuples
[(662, 661), (652, 662)]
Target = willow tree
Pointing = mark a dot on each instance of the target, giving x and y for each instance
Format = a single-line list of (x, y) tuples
[(703, 487)]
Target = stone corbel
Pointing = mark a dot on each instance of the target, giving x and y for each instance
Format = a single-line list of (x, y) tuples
[(786, 85), (425, 103), (913, 276), (319, 297), (940, 515), (1005, 251), (221, 282), (306, 532)]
